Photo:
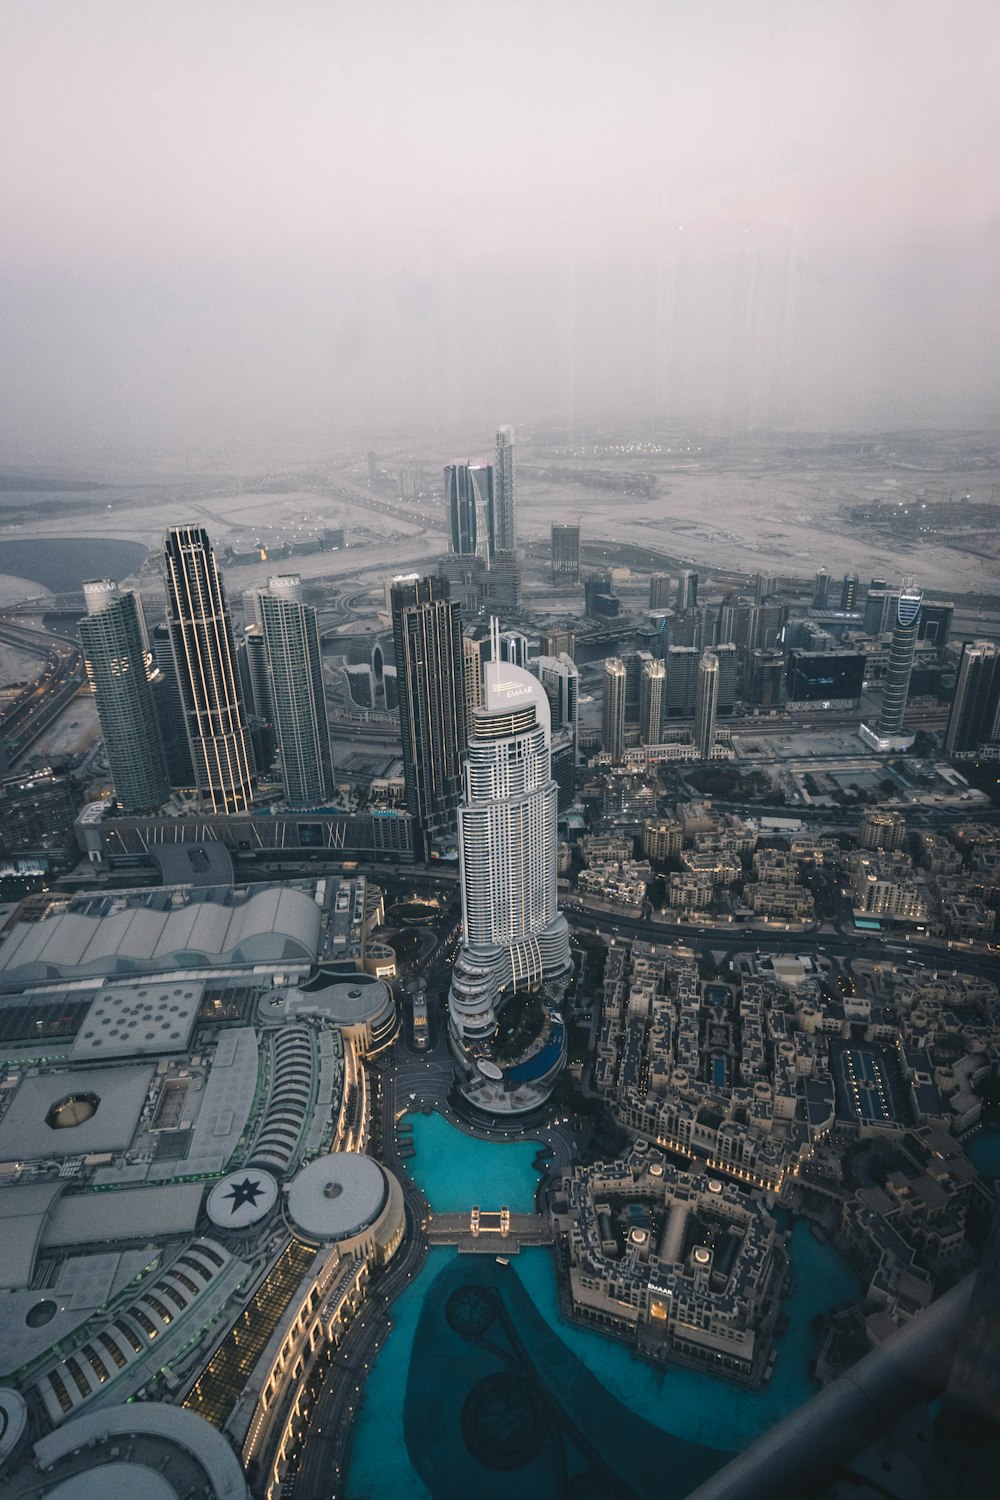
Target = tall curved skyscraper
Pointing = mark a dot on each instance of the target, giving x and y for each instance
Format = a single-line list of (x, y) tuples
[(513, 934), (468, 490), (111, 633), (896, 683), (201, 634)]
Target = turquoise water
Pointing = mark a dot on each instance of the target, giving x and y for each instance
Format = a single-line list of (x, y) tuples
[(455, 1171), (497, 1406), (984, 1153)]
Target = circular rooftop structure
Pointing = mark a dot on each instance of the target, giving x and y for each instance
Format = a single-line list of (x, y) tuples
[(114, 1481), (337, 1197), (171, 1453), (242, 1198), (349, 999), (13, 1420), (359, 1004)]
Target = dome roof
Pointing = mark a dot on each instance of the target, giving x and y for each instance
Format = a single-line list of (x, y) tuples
[(337, 1196)]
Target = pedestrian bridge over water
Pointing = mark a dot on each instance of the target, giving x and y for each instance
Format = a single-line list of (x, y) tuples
[(481, 1231)]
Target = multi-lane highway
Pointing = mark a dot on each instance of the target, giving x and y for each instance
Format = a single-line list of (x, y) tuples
[(39, 705), (744, 939), (321, 1464)]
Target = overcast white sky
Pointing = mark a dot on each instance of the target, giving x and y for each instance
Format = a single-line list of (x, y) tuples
[(229, 221)]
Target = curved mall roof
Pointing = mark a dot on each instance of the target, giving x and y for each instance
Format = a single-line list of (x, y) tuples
[(272, 925)]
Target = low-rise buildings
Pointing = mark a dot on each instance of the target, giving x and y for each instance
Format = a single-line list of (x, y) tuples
[(188, 1211), (685, 1265)]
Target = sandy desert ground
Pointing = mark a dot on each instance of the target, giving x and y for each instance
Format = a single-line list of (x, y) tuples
[(73, 733), (779, 505), (17, 665)]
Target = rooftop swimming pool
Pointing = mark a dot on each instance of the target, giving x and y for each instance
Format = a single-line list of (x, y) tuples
[(446, 1394)]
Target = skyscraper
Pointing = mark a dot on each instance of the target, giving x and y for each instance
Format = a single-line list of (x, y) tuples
[(561, 681), (255, 686), (880, 606), (687, 590), (659, 590), (934, 622), (505, 494), (556, 642), (515, 647), (430, 670), (513, 934), (765, 679), (601, 601), (473, 657), (468, 490), (254, 677), (652, 692), (169, 708), (499, 586), (849, 592), (682, 680), (291, 640), (896, 683), (705, 704), (565, 554), (116, 663), (765, 622), (615, 685), (728, 659), (821, 590), (560, 678), (974, 719), (201, 634)]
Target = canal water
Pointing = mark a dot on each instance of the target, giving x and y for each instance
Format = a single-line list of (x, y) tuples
[(63, 564), (443, 1390)]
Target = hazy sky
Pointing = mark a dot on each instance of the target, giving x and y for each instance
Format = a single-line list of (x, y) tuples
[(228, 222)]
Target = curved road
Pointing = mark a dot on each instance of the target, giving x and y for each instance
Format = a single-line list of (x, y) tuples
[(322, 1465)]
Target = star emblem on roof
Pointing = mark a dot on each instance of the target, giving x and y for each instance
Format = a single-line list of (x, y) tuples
[(247, 1191)]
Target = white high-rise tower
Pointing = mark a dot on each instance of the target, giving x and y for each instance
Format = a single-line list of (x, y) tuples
[(513, 934), (705, 704)]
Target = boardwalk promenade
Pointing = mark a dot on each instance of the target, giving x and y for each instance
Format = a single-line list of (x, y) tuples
[(486, 1232)]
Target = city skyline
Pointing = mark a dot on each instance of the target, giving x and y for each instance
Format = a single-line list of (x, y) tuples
[(676, 928), (499, 749)]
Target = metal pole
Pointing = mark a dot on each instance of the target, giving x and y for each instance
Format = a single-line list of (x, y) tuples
[(802, 1456)]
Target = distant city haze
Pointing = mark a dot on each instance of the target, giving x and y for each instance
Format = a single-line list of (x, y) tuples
[(308, 223)]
